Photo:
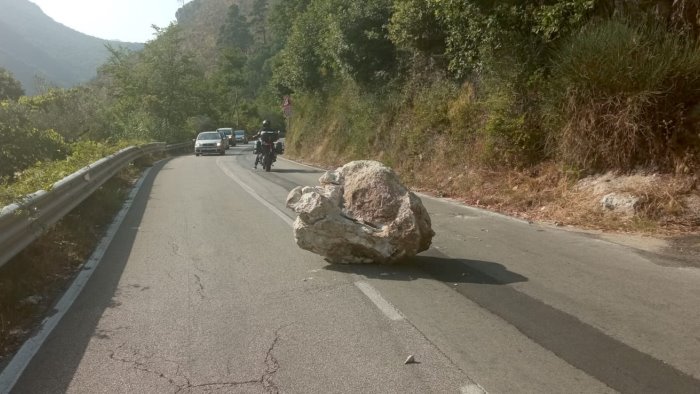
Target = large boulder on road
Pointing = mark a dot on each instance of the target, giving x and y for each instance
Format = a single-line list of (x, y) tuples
[(360, 213)]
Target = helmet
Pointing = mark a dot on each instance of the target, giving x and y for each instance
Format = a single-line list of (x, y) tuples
[(266, 123)]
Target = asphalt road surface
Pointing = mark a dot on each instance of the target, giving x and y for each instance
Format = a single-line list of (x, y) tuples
[(203, 290)]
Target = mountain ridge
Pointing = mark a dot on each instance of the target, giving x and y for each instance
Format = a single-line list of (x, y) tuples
[(33, 44)]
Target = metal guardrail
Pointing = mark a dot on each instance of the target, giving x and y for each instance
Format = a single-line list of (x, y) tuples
[(22, 223)]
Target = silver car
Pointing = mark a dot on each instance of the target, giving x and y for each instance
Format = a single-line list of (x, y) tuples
[(209, 142), (240, 136)]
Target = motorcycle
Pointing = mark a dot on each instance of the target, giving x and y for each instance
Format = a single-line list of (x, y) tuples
[(267, 151), (267, 155)]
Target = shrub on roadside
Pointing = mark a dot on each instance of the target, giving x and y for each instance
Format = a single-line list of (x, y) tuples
[(626, 94), (21, 145), (42, 175)]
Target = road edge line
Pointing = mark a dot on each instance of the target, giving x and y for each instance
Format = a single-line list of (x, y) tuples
[(384, 306), (255, 195), (380, 302), (472, 388), (19, 362)]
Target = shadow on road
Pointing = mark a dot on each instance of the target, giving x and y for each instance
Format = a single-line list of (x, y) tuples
[(437, 266), (53, 369), (618, 365), (297, 171)]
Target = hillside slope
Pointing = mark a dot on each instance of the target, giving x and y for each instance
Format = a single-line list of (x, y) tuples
[(202, 20), (32, 44)]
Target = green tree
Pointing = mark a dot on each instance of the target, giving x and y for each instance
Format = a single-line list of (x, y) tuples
[(74, 113), (172, 79), (235, 32), (334, 39), (476, 30), (228, 85), (282, 15), (415, 26), (10, 88), (359, 40), (22, 145), (157, 89), (302, 65), (258, 21)]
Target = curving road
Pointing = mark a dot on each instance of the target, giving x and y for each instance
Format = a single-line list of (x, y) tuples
[(203, 290)]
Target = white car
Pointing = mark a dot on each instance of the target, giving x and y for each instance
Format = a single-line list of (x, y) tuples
[(209, 142), (229, 135)]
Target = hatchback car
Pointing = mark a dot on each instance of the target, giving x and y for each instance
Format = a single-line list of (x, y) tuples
[(209, 142), (226, 139), (229, 135), (240, 136)]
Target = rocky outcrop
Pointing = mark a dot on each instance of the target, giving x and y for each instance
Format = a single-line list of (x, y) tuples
[(624, 203), (360, 213)]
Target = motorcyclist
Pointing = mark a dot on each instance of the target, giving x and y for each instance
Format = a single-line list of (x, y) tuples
[(266, 134)]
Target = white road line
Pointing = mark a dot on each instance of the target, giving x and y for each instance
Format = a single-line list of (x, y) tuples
[(462, 205), (23, 357), (301, 164), (472, 388), (368, 290), (389, 310), (255, 195)]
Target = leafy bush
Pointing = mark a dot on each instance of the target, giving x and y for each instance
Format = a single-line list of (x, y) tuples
[(73, 113), (334, 40), (504, 130), (476, 30), (44, 174), (624, 95), (430, 119), (422, 115), (10, 88), (511, 102), (21, 146), (414, 25), (344, 126)]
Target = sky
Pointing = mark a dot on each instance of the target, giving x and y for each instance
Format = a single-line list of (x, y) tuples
[(124, 20)]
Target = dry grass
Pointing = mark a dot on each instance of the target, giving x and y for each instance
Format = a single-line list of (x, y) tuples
[(623, 95), (32, 281), (668, 204)]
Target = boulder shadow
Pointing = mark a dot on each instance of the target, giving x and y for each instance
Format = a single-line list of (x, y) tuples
[(442, 268), (296, 171)]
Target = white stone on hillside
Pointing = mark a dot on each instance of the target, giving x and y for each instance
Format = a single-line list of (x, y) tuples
[(624, 203)]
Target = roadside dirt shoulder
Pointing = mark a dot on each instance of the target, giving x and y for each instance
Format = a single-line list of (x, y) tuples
[(657, 215)]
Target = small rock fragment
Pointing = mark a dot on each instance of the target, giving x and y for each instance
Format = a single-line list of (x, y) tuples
[(32, 300), (410, 360)]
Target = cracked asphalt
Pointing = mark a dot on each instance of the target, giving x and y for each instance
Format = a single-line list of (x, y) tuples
[(204, 291)]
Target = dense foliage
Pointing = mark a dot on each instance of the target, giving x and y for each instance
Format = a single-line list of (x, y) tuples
[(592, 84), (10, 88)]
